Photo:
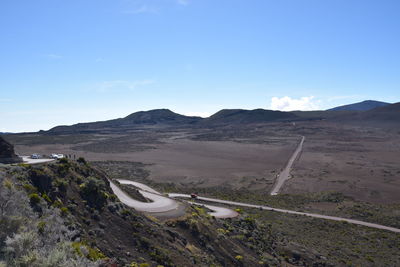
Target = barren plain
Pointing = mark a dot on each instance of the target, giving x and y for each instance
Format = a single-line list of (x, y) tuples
[(359, 162)]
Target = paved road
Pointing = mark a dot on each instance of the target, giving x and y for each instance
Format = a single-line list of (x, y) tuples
[(218, 212), (162, 204), (332, 218), (159, 202), (285, 174), (28, 160)]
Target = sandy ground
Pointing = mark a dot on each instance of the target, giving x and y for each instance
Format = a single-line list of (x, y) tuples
[(361, 164), (197, 163)]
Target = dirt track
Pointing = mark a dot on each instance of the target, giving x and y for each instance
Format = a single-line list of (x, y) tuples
[(285, 174)]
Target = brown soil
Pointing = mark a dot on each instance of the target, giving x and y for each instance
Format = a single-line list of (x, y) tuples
[(361, 163), (196, 163)]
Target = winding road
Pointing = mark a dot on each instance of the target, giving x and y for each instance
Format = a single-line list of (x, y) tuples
[(285, 174), (159, 202), (163, 203), (314, 215)]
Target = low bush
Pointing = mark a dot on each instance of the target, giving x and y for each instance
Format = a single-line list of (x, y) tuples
[(34, 198), (93, 191)]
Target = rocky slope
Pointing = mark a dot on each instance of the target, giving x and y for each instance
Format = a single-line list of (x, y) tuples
[(7, 154), (108, 233), (65, 214)]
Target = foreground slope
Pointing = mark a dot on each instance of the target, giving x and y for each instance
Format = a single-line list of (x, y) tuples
[(113, 233), (103, 230)]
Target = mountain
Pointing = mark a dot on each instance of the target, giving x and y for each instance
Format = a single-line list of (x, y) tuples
[(241, 116), (165, 117), (360, 106), (383, 114), (387, 116), (141, 118), (7, 154)]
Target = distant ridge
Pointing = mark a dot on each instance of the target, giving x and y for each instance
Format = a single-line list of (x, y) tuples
[(389, 113), (387, 116), (141, 118), (360, 106), (165, 117), (242, 116)]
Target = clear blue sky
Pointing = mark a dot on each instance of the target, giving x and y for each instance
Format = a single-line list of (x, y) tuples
[(69, 61)]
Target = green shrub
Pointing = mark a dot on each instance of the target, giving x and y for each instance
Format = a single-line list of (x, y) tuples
[(81, 160), (82, 249), (41, 179), (93, 191), (29, 188), (46, 197), (239, 257), (41, 226), (64, 211), (34, 198), (63, 169), (24, 165), (64, 161), (57, 203), (61, 184), (8, 184)]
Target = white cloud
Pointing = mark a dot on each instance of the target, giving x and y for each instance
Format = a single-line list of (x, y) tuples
[(289, 104), (107, 86)]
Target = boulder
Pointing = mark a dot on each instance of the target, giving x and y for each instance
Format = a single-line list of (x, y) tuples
[(7, 154)]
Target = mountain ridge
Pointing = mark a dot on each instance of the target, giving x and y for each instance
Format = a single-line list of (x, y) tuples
[(166, 117), (360, 106)]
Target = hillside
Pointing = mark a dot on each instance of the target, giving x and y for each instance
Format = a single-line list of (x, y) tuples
[(165, 117), (7, 154), (389, 113), (75, 198), (322, 114), (65, 214), (387, 116), (241, 116), (360, 106), (137, 119)]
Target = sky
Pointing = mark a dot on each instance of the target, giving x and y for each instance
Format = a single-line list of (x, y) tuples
[(69, 61)]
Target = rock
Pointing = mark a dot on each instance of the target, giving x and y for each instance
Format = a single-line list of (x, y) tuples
[(7, 154)]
